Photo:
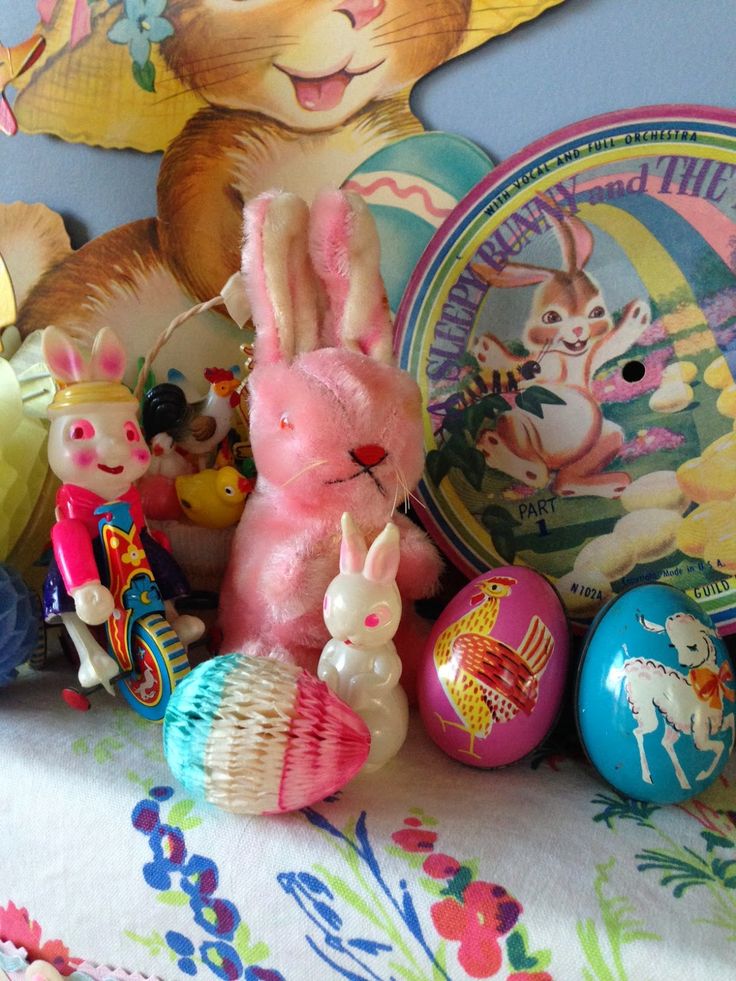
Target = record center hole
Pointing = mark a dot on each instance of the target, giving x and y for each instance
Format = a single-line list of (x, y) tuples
[(633, 371)]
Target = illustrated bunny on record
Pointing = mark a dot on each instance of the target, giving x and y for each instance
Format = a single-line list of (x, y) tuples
[(97, 450), (362, 610), (334, 427), (569, 335)]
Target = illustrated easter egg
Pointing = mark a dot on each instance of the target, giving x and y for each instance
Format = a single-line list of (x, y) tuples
[(655, 695), (255, 736), (492, 675), (410, 187)]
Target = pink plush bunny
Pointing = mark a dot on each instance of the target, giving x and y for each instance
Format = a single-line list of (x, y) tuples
[(335, 427)]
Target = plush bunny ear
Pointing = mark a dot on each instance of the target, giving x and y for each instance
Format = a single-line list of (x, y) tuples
[(352, 547), (279, 277), (62, 357), (512, 274), (346, 254), (382, 562), (108, 359)]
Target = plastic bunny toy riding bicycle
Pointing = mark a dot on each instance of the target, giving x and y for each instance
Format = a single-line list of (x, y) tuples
[(106, 568)]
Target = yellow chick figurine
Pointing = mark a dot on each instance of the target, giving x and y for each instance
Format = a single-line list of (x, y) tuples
[(213, 498)]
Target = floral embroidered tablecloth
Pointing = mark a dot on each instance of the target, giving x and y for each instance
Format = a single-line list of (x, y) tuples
[(424, 871)]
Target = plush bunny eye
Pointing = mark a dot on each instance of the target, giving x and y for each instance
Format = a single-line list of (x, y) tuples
[(378, 616), (285, 422), (596, 313), (81, 429), (551, 317), (132, 433)]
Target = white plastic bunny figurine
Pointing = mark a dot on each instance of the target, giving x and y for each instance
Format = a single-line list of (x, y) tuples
[(362, 609)]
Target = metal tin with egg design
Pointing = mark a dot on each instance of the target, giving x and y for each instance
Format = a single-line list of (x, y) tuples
[(493, 672), (655, 696)]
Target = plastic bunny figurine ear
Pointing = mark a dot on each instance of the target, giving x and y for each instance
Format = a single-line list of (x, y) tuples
[(279, 277), (346, 255), (108, 357), (352, 546), (382, 561), (62, 356), (107, 361)]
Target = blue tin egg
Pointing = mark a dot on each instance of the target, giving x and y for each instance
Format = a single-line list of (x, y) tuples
[(655, 696)]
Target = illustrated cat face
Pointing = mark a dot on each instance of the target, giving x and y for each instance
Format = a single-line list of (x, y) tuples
[(568, 315), (309, 65)]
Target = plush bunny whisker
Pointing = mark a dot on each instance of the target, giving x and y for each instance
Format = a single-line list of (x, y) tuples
[(299, 473)]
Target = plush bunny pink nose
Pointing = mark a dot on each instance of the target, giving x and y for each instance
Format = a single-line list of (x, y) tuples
[(369, 455), (577, 331), (361, 12)]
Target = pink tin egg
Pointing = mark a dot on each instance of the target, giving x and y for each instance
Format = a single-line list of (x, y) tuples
[(493, 672)]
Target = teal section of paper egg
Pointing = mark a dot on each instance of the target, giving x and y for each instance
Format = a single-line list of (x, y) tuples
[(198, 696), (410, 187), (653, 663)]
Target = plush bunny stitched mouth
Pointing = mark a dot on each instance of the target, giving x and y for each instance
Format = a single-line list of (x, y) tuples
[(319, 93), (365, 468)]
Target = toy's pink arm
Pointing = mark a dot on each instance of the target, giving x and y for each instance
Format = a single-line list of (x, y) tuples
[(420, 564), (73, 553)]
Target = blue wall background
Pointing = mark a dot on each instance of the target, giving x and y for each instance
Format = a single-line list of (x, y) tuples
[(583, 58)]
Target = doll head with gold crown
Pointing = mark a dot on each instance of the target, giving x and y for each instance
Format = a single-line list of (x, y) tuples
[(95, 441)]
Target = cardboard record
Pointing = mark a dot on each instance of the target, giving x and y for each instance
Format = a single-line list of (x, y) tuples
[(572, 326)]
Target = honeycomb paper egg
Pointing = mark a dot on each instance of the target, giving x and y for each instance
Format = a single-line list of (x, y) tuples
[(655, 696), (256, 736), (493, 671)]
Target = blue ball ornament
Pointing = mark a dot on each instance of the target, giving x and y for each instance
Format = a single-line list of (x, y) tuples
[(19, 623)]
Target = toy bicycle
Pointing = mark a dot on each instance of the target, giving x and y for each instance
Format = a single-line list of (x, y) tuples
[(150, 656)]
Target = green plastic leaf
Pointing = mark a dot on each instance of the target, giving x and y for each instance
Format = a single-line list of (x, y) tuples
[(145, 75)]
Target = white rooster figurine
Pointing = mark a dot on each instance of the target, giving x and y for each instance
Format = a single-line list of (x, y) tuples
[(197, 427)]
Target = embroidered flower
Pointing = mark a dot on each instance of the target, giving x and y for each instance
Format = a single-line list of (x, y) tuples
[(486, 913)]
